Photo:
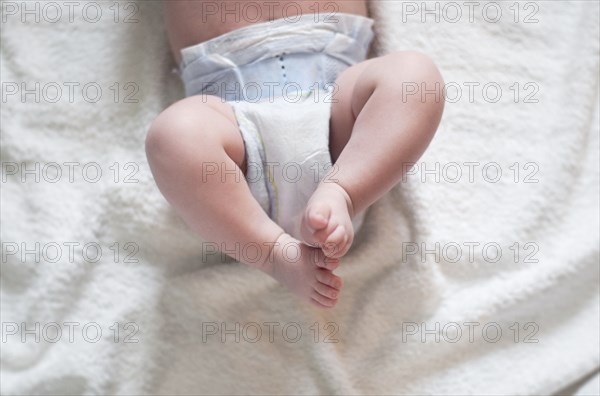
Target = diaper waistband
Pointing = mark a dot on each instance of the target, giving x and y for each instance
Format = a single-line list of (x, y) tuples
[(288, 51)]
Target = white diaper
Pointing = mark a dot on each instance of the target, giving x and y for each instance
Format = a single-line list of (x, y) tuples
[(287, 152), (278, 76)]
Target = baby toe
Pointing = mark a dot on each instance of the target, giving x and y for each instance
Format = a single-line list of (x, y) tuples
[(327, 291), (330, 279), (331, 263), (317, 216), (323, 301)]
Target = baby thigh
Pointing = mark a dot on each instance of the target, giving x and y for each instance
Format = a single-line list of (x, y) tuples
[(188, 146)]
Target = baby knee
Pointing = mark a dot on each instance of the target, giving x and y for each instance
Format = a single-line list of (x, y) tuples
[(420, 79), (162, 137), (414, 67), (185, 123), (412, 61)]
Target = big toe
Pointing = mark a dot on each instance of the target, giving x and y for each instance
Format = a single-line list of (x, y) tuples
[(317, 216)]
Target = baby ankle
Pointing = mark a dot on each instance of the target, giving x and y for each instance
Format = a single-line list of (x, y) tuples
[(346, 195), (272, 253)]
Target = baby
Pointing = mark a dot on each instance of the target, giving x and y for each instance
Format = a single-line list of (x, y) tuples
[(288, 133)]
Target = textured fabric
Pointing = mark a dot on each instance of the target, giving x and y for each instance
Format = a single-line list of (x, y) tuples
[(177, 290)]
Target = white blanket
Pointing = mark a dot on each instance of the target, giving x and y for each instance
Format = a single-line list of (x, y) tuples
[(178, 300)]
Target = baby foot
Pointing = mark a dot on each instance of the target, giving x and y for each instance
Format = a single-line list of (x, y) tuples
[(305, 271), (327, 220)]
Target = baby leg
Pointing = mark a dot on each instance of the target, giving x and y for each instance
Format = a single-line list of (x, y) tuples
[(379, 125), (196, 155)]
